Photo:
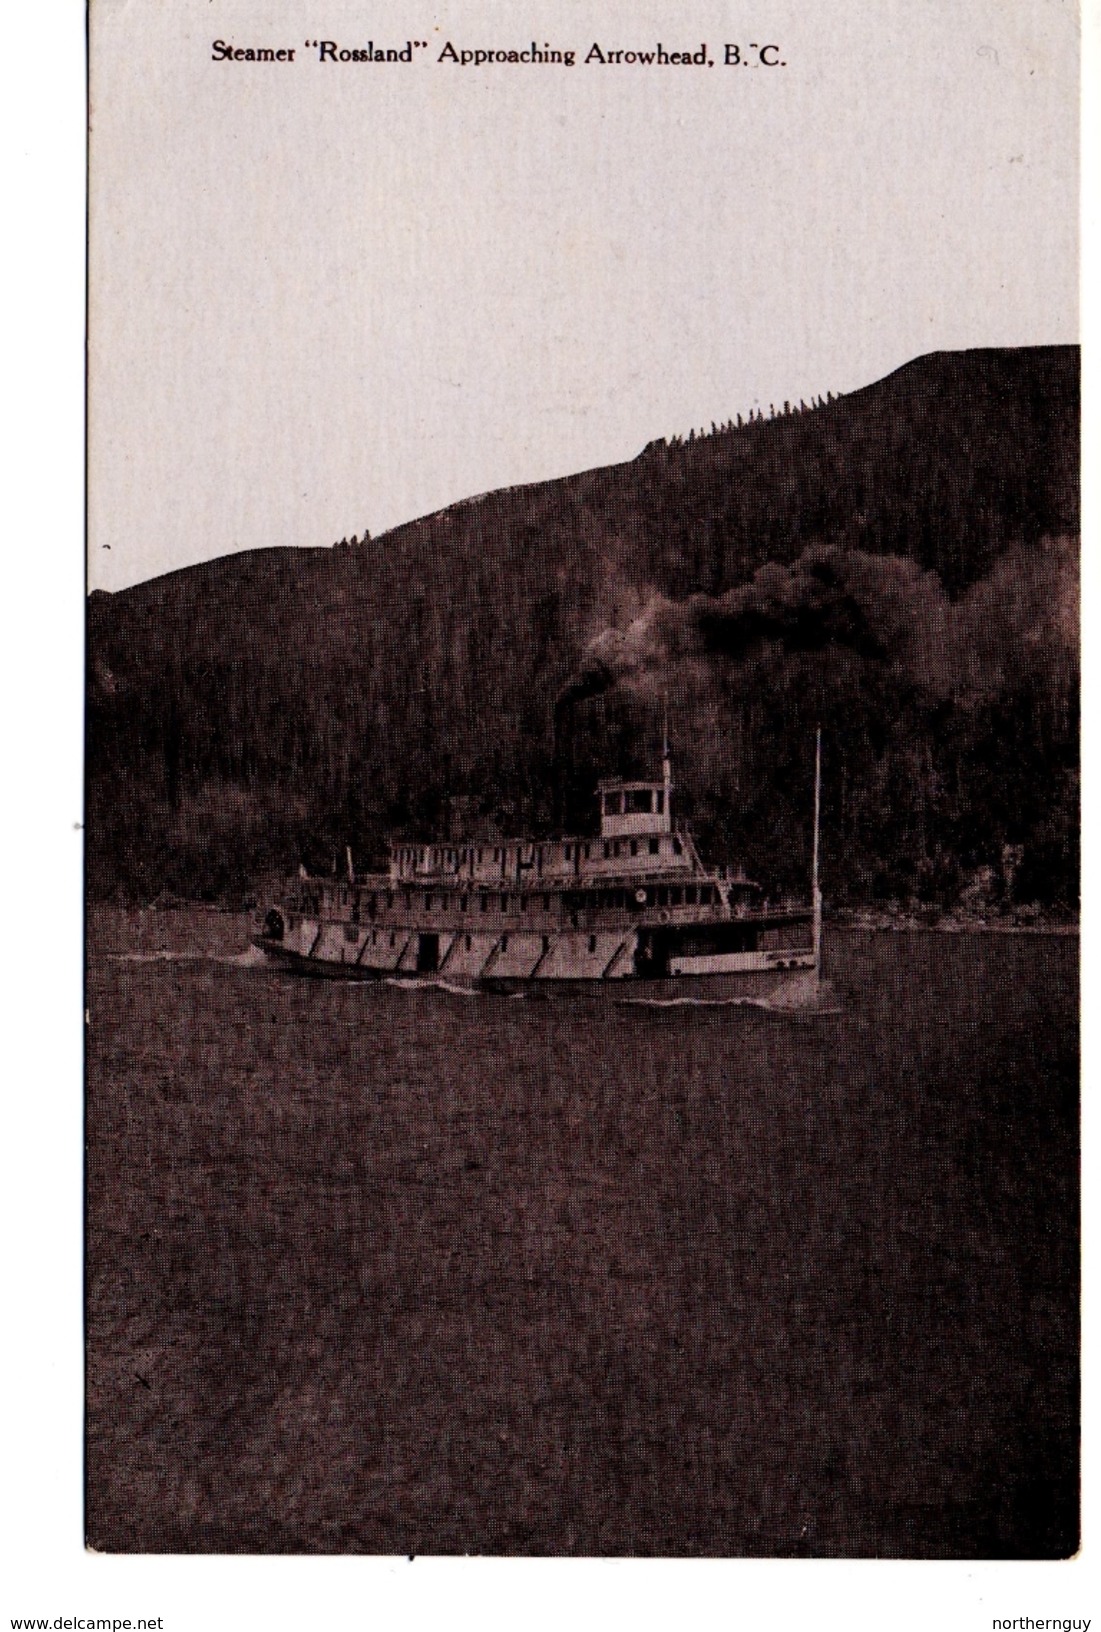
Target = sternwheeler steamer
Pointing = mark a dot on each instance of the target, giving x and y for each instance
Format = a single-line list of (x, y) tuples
[(635, 906)]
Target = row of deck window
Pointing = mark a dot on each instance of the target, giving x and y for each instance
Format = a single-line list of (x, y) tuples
[(373, 940), (673, 895), (410, 857)]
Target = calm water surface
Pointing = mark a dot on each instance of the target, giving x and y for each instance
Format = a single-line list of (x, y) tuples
[(394, 1271)]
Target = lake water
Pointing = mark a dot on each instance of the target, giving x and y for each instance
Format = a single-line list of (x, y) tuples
[(393, 1271)]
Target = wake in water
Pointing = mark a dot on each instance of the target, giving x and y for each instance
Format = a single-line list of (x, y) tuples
[(250, 958), (801, 998), (412, 985)]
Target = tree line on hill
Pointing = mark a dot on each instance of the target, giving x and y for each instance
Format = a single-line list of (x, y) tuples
[(756, 416)]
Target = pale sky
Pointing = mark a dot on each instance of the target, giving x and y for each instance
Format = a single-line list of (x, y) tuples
[(328, 296)]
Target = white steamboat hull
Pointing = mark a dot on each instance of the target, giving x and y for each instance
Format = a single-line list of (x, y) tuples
[(565, 961)]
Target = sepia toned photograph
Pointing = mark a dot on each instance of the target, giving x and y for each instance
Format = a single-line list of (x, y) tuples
[(582, 781)]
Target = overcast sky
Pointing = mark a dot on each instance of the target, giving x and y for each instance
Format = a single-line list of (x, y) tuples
[(328, 296)]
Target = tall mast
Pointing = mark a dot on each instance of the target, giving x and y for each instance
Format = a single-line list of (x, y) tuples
[(666, 767), (816, 893)]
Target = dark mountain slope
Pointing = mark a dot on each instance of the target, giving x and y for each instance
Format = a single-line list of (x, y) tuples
[(274, 705)]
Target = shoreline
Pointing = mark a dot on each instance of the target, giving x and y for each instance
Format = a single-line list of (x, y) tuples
[(906, 923)]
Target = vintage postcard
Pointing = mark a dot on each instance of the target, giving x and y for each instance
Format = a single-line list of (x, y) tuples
[(582, 780)]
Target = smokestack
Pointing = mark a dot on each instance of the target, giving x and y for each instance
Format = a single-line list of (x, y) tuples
[(596, 677)]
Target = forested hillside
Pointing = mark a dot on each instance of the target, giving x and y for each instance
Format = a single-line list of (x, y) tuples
[(899, 564)]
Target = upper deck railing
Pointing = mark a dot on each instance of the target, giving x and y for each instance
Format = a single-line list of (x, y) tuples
[(551, 860)]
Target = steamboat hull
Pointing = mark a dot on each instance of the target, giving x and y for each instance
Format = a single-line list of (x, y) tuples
[(759, 979), (300, 963), (750, 987)]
